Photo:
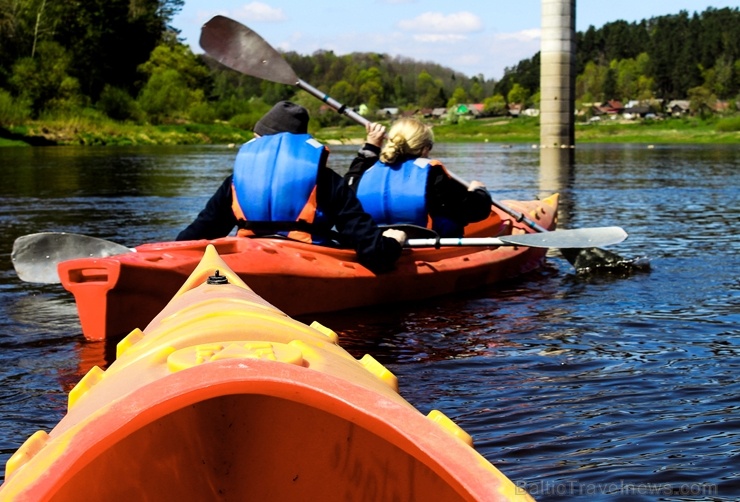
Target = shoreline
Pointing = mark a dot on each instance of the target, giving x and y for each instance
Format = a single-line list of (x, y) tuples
[(495, 130)]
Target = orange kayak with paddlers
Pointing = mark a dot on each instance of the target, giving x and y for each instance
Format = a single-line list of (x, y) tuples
[(224, 397), (119, 293)]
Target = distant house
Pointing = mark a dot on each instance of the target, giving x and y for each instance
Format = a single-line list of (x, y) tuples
[(678, 107), (439, 112), (514, 109), (635, 111), (615, 105), (477, 109), (611, 107), (595, 111), (388, 112), (721, 106)]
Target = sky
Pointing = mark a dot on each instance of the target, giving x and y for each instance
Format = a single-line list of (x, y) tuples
[(478, 37)]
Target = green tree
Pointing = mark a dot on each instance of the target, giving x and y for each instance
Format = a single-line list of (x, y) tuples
[(23, 25), (399, 96), (109, 39), (344, 92), (610, 84), (118, 104), (43, 81), (590, 84), (166, 97), (176, 82), (429, 91), (720, 78), (369, 85), (458, 96), (13, 111), (173, 55), (476, 91), (701, 101), (494, 105), (517, 94), (673, 65), (526, 73)]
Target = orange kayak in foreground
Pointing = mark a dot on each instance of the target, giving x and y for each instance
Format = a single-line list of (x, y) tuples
[(224, 397), (119, 293)]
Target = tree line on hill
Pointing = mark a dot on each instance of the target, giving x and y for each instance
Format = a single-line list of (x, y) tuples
[(122, 59), (669, 57)]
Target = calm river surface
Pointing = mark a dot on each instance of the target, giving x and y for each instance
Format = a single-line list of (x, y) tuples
[(602, 387)]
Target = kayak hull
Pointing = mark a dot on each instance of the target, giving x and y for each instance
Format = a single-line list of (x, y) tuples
[(224, 397), (116, 294)]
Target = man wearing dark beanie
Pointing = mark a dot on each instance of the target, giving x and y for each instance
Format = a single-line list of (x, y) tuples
[(283, 117), (311, 202)]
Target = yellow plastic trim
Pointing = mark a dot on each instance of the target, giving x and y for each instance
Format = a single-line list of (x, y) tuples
[(89, 381), (380, 371), (200, 354), (211, 260), (26, 452), (331, 335), (450, 427), (128, 342)]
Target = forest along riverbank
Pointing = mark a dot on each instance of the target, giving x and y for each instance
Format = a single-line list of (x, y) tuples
[(688, 130)]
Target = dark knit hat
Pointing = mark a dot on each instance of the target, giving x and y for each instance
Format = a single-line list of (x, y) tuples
[(283, 117)]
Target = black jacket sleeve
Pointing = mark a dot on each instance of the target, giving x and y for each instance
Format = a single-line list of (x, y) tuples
[(448, 199), (365, 159), (215, 220), (356, 228)]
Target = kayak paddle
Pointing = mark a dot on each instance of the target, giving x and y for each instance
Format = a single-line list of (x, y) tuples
[(35, 256), (240, 48), (561, 239)]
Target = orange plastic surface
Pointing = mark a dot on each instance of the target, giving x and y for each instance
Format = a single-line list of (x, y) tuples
[(297, 278), (224, 397)]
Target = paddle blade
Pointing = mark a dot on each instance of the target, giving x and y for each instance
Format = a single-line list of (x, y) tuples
[(236, 46), (576, 238), (35, 256)]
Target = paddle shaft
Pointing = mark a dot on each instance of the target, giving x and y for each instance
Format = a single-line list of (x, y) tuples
[(339, 107), (455, 241)]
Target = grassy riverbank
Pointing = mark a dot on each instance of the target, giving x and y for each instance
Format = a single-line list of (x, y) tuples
[(495, 130)]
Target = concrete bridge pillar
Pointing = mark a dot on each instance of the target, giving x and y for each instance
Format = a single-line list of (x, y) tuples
[(558, 74)]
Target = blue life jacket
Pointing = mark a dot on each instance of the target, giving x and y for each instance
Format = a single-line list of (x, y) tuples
[(275, 180), (396, 193)]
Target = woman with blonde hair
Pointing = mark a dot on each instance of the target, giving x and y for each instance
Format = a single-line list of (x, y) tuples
[(401, 184)]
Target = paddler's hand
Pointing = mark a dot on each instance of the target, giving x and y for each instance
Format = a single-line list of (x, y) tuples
[(475, 184), (375, 133), (398, 235)]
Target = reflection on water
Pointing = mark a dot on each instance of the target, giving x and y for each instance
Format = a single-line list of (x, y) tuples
[(597, 386)]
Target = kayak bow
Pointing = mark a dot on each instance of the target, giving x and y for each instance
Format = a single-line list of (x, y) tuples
[(224, 397)]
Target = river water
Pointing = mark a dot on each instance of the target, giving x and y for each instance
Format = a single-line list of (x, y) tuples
[(601, 387)]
